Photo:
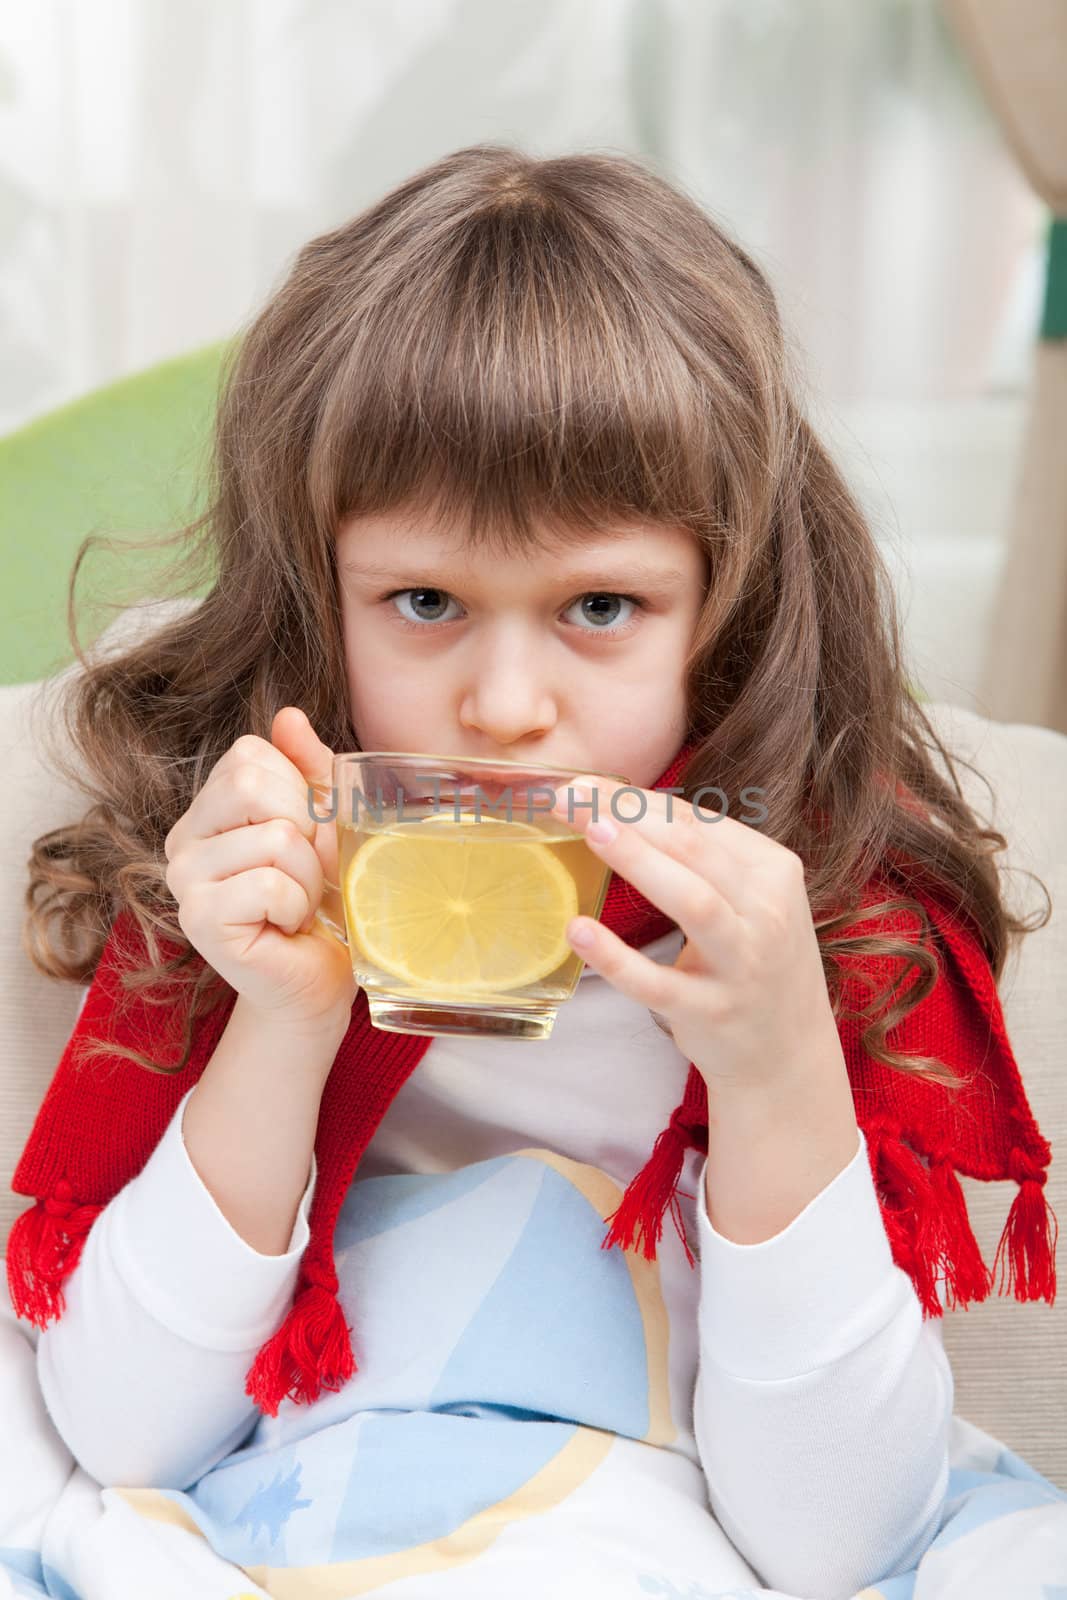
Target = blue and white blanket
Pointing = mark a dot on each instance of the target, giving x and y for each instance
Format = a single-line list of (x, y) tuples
[(318, 1503), (1003, 1535)]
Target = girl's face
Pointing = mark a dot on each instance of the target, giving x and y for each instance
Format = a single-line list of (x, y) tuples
[(573, 658)]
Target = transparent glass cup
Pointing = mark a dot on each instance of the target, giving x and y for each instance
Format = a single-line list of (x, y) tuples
[(455, 887)]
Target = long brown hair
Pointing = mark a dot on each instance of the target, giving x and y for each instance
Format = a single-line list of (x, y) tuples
[(526, 344)]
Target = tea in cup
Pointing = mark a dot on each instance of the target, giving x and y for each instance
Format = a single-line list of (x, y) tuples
[(456, 886)]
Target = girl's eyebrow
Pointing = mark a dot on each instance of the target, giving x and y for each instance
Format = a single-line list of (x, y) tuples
[(664, 580)]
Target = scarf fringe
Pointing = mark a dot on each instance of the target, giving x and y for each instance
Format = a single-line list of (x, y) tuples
[(44, 1246), (638, 1219), (1026, 1255), (311, 1351), (909, 1211), (923, 1209), (967, 1278), (930, 1234), (637, 1222)]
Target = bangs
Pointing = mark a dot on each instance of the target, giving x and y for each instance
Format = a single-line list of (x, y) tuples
[(515, 380)]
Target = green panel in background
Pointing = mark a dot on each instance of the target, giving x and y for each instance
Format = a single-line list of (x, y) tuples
[(1054, 308), (127, 459)]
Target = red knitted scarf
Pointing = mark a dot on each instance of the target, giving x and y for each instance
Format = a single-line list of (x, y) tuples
[(97, 1126)]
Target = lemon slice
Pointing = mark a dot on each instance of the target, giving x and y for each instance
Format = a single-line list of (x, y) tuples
[(448, 910)]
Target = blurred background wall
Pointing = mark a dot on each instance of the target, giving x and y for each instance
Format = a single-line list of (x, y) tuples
[(160, 164)]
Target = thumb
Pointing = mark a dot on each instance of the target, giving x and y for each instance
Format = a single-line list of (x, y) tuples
[(293, 735)]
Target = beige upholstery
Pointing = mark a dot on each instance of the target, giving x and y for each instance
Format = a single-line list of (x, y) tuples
[(1009, 1360)]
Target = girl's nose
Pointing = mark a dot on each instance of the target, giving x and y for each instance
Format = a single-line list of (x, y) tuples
[(507, 699)]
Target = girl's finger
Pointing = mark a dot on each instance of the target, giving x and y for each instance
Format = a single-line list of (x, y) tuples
[(649, 983), (699, 906), (667, 819), (250, 747), (679, 841), (211, 910), (238, 796), (277, 843)]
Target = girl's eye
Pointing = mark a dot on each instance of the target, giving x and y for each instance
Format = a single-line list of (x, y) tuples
[(598, 606), (434, 605)]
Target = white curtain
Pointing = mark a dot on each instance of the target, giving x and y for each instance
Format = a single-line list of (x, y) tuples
[(160, 163)]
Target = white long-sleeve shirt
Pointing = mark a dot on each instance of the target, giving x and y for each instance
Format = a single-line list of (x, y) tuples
[(526, 1404)]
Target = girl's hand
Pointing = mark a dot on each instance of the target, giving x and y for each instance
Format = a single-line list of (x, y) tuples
[(746, 1000), (247, 865)]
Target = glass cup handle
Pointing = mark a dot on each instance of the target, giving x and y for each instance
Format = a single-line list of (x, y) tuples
[(332, 893)]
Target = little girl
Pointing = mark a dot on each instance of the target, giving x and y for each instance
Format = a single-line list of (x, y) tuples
[(512, 466)]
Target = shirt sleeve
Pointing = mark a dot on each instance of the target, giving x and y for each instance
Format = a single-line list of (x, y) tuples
[(823, 1400), (144, 1372)]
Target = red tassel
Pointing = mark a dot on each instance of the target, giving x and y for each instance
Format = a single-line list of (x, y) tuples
[(1027, 1248), (966, 1275), (310, 1352), (44, 1246), (639, 1215), (910, 1212)]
